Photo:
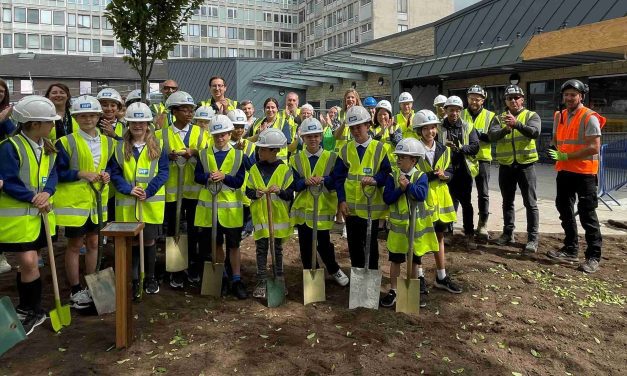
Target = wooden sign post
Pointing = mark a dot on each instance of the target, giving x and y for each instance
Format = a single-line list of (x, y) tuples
[(123, 232)]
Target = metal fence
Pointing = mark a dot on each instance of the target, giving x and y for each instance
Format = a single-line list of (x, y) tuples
[(612, 170)]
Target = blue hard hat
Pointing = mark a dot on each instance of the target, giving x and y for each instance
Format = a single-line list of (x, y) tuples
[(370, 102)]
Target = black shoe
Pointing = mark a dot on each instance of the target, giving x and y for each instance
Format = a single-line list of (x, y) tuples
[(193, 275), (423, 300), (239, 290), (448, 285), (564, 254), (423, 286), (225, 287), (32, 319), (151, 286), (389, 300), (135, 290), (177, 280)]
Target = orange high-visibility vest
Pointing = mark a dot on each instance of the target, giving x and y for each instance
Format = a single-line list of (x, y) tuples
[(571, 138)]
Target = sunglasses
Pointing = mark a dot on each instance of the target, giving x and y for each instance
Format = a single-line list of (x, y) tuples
[(513, 98), (171, 88)]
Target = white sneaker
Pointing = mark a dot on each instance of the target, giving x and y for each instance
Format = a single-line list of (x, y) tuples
[(81, 299), (4, 264), (341, 278), (344, 235)]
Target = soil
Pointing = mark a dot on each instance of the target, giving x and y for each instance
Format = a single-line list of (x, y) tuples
[(516, 316)]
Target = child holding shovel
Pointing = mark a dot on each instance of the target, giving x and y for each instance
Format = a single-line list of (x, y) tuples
[(82, 160), (269, 175), (436, 165), (138, 183), (406, 182), (26, 166), (222, 164)]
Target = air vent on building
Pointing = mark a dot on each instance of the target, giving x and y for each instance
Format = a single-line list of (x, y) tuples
[(28, 55)]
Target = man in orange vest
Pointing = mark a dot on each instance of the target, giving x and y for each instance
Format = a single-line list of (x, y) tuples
[(576, 145)]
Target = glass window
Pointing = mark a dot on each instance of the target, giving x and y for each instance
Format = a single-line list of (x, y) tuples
[(95, 46), (232, 52), (213, 31), (203, 51), (85, 87), (212, 11), (402, 28), (33, 41), (26, 87), (33, 16), (194, 30), (608, 97), (84, 21), (58, 17), (95, 22), (184, 51), (84, 45), (241, 35), (106, 25), (232, 32), (195, 51), (7, 16), (46, 42), (176, 52), (19, 14), (46, 17), (250, 34), (231, 13), (71, 44), (71, 19), (401, 6), (19, 40), (7, 40), (59, 43), (214, 52)]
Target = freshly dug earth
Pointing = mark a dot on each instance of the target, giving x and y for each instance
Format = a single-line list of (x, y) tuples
[(516, 316)]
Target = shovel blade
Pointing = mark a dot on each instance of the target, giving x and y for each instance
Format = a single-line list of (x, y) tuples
[(408, 295), (176, 254), (365, 288), (102, 289), (212, 279), (60, 316), (275, 291), (313, 286), (11, 330)]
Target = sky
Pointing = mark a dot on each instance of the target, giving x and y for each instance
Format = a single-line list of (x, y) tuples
[(460, 4)]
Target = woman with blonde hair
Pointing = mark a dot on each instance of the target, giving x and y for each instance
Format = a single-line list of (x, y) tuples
[(342, 134)]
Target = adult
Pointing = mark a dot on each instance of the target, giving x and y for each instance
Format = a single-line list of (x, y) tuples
[(404, 117), (577, 142), (370, 104), (272, 120), (60, 96), (220, 103), (249, 110), (342, 134), (464, 143), (160, 110), (438, 106), (291, 112), (6, 125), (517, 154), (481, 119), (330, 122)]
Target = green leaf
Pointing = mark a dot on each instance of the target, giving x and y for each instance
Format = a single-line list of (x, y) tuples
[(535, 353), (516, 373), (161, 370), (311, 335), (457, 371), (263, 336), (391, 355), (446, 359), (61, 349)]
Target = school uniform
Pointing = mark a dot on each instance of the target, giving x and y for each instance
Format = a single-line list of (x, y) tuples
[(281, 124), (64, 126)]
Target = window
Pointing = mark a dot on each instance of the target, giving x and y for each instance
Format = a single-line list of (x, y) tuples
[(95, 46), (33, 16), (232, 32), (401, 6), (71, 44), (26, 87), (59, 43), (232, 52), (608, 96), (95, 22), (212, 11), (85, 87), (7, 16), (106, 25), (194, 30), (19, 14), (267, 36), (212, 31), (195, 51), (46, 17), (58, 18), (7, 40), (176, 52), (184, 51), (402, 28), (267, 16), (203, 51), (107, 47), (46, 42), (33, 41), (250, 34), (231, 13), (365, 2), (9, 85), (367, 27), (71, 19), (84, 21), (241, 35), (214, 52), (84, 45), (19, 40)]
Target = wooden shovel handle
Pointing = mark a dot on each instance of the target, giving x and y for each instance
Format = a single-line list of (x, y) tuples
[(53, 267)]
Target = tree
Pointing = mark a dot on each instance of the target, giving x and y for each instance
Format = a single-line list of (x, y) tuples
[(148, 30)]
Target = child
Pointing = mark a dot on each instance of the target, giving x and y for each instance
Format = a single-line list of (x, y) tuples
[(203, 116), (403, 184), (436, 165), (29, 179), (111, 102), (269, 175), (182, 140), (313, 167), (82, 160), (138, 183), (222, 164), (4, 264)]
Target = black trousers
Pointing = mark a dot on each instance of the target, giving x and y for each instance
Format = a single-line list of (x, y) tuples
[(324, 246), (523, 176), (460, 188), (570, 187), (188, 212), (483, 190), (356, 228)]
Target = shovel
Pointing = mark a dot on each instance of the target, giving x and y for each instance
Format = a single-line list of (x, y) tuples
[(101, 283), (313, 279), (176, 247), (275, 286), (60, 316), (11, 330), (408, 290), (365, 283), (142, 270), (213, 271)]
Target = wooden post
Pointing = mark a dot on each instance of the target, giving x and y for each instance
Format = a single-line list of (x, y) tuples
[(123, 233)]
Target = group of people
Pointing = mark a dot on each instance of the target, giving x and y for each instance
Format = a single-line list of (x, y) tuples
[(364, 162)]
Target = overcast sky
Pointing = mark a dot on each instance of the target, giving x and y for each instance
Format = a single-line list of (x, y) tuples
[(459, 4)]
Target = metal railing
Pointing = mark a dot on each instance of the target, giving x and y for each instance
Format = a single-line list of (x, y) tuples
[(612, 170)]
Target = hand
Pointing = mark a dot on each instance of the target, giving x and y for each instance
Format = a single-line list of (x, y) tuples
[(260, 193), (216, 176), (105, 178), (40, 201), (403, 182), (451, 145), (1, 184), (239, 145), (173, 156), (160, 120), (368, 180), (221, 106), (509, 120), (344, 209), (440, 174), (558, 155), (89, 176), (187, 154), (314, 180), (6, 113), (138, 192), (107, 127), (274, 189)]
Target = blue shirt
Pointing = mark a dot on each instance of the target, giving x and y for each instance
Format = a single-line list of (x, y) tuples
[(299, 181), (266, 169), (117, 175), (201, 176), (341, 172), (418, 189), (6, 129)]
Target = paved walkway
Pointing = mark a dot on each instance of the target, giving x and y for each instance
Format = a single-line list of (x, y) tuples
[(549, 217)]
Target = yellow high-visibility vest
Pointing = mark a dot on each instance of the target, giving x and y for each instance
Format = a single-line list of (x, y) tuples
[(282, 178)]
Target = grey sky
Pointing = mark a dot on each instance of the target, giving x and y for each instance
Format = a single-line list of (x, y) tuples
[(460, 4)]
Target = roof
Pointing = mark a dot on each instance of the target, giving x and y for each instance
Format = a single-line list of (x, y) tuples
[(73, 67)]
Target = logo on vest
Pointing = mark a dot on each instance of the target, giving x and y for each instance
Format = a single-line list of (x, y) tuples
[(367, 170), (142, 171), (44, 179)]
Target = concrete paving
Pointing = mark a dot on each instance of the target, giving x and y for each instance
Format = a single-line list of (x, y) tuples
[(549, 217)]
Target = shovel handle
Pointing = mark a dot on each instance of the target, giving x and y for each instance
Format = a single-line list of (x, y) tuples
[(411, 203), (314, 233), (270, 230), (98, 193), (53, 267), (179, 195), (214, 188), (369, 195), (141, 239)]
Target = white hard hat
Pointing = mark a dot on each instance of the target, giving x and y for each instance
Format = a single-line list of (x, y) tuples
[(357, 115), (138, 111), (110, 94), (424, 117), (410, 146), (35, 108), (220, 124), (307, 106), (454, 100), (385, 105), (310, 126), (204, 113), (405, 97), (477, 89), (237, 116), (179, 98), (271, 138), (440, 99), (85, 104), (134, 95)]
